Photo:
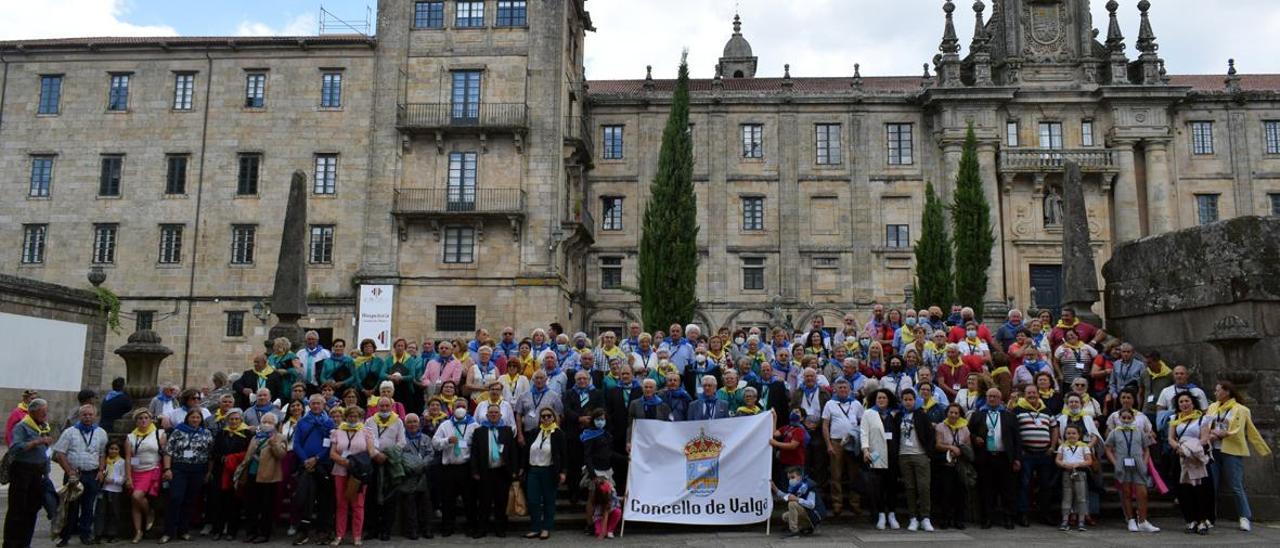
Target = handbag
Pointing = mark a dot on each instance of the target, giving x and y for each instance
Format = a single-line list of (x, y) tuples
[(516, 504), (5, 463)]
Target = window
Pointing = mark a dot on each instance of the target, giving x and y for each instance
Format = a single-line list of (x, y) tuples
[(1271, 134), (459, 245), (900, 144), (455, 318), (242, 242), (612, 142), (331, 90), (752, 147), (321, 244), (753, 213), (235, 323), (41, 176), (175, 178), (828, 144), (50, 94), (461, 192), (1207, 208), (428, 15), (143, 319), (33, 238), (1011, 133), (1275, 203), (466, 96), (255, 90), (1086, 133), (104, 243), (897, 236), (511, 13), (612, 208), (326, 176), (184, 84), (469, 14), (118, 96), (247, 179), (1202, 138), (610, 272), (753, 273), (170, 244), (109, 180), (1051, 135)]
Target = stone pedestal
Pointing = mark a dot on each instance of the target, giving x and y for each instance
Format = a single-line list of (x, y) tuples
[(142, 356)]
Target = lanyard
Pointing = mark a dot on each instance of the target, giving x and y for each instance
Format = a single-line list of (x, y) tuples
[(88, 441), (1184, 429), (1073, 451), (1128, 439), (845, 409), (138, 444), (993, 420)]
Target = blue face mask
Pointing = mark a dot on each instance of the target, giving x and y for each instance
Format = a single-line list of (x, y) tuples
[(911, 321), (599, 423), (793, 481), (562, 347), (971, 334)]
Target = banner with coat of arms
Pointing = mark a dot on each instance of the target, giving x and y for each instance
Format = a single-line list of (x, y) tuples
[(700, 472)]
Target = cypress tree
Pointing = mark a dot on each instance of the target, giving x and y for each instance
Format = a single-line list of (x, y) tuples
[(933, 284), (971, 217), (668, 244)]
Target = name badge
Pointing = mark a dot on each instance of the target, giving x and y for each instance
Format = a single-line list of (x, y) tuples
[(462, 443), (346, 454), (189, 454), (135, 461), (1151, 398), (888, 436), (325, 443), (955, 387), (1080, 366), (1130, 463), (908, 442)]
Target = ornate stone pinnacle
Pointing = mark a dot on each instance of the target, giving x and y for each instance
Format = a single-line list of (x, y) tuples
[(648, 72), (1146, 36), (737, 24), (1233, 77), (1115, 38), (786, 71), (950, 43)]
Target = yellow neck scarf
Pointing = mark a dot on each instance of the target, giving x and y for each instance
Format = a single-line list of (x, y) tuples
[(929, 403), (111, 462), (716, 356), (908, 335), (144, 432), (436, 418), (1181, 418), (1224, 407), (958, 424), (218, 415), (1073, 415), (1002, 370), (1064, 325), (448, 400), (953, 365), (1024, 404), (548, 429), (1046, 394), (23, 407), (1164, 371), (347, 427), (1074, 346), (383, 424), (361, 360), (44, 429), (241, 431), (753, 410), (1074, 444), (265, 372)]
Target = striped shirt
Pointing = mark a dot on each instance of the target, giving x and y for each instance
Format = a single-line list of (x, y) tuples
[(1034, 430)]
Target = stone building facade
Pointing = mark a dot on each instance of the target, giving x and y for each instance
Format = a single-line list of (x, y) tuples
[(462, 157)]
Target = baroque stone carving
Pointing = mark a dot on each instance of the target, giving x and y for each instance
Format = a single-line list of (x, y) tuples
[(1047, 23)]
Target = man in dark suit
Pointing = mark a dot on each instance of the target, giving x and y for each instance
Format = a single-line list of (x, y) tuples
[(579, 402), (494, 476), (995, 444), (773, 394), (259, 376), (617, 405), (707, 406)]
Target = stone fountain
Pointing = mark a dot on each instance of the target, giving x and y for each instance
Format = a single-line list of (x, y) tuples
[(142, 356)]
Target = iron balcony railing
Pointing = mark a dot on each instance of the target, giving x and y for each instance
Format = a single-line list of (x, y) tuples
[(1037, 160), (450, 201), (430, 116)]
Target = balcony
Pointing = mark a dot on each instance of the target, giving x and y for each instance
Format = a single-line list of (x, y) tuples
[(577, 136), (448, 116), (581, 223), (1044, 160), (452, 205)]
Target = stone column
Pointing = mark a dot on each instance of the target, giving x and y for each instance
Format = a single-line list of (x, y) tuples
[(1160, 198), (951, 152), (995, 297), (1128, 224)]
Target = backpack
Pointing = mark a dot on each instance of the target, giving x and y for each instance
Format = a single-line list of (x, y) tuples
[(5, 462)]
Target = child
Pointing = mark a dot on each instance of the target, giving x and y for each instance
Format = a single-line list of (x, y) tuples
[(804, 506), (604, 507), (113, 500), (1126, 447), (1074, 458)]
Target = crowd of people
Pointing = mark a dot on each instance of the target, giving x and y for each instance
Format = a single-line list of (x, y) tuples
[(911, 414)]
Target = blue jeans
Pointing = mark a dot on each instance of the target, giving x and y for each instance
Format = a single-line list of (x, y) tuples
[(1045, 471), (1230, 468)]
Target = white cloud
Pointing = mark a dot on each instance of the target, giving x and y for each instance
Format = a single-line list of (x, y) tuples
[(302, 25), (892, 37), (30, 19)]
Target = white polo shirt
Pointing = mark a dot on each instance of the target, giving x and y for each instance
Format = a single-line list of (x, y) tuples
[(843, 416)]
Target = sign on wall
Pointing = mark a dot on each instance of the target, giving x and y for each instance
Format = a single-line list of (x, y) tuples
[(375, 315), (46, 354), (723, 479)]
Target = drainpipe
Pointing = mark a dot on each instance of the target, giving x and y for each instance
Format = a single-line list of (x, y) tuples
[(195, 233)]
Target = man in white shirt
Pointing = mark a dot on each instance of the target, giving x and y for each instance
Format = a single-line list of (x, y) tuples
[(453, 441), (1181, 383), (312, 355), (495, 398), (840, 428)]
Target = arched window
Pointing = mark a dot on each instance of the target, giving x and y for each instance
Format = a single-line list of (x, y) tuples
[(738, 74)]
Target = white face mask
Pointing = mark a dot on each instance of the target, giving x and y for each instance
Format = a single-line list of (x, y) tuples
[(739, 341), (460, 413)]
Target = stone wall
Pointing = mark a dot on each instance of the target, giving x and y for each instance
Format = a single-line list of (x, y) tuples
[(25, 297), (1209, 297)]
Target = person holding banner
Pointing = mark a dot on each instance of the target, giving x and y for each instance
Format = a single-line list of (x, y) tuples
[(708, 406), (676, 398), (773, 394), (840, 418)]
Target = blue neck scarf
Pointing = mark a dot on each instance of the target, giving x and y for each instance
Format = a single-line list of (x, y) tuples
[(111, 395), (583, 392), (491, 425), (678, 394), (413, 436), (460, 425), (651, 401), (188, 429), (845, 399), (537, 393), (707, 399), (86, 428), (163, 397), (260, 436), (591, 434), (1034, 366), (751, 377), (262, 410), (809, 391), (800, 489)]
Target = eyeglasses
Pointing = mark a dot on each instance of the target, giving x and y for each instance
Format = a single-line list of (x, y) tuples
[(545, 417)]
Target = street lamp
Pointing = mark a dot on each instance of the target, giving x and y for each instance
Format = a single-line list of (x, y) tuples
[(261, 312)]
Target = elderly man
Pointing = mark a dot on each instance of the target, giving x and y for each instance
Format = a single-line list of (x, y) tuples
[(995, 444), (676, 397), (415, 493), (445, 367), (312, 357), (32, 438), (708, 406), (631, 344), (80, 451), (731, 392), (1128, 371), (773, 394), (681, 350), (649, 405), (259, 376), (1008, 332), (1069, 322), (579, 402), (508, 348), (262, 406), (557, 378), (1181, 383), (167, 400), (494, 398), (840, 419), (539, 396)]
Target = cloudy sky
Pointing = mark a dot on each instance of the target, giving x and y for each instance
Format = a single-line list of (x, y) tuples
[(817, 37)]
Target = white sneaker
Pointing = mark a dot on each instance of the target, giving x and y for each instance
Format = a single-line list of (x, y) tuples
[(880, 522), (1244, 525), (608, 535), (893, 522), (1147, 527), (1133, 526), (913, 525), (926, 525), (292, 531)]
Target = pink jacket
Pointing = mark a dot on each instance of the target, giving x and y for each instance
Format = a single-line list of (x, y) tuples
[(15, 417), (348, 443), (437, 373)]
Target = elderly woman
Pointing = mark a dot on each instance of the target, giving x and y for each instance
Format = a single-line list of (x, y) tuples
[(481, 374), (143, 467), (186, 465), (228, 451), (643, 357), (952, 448), (388, 436), (514, 383), (404, 371), (385, 390), (350, 443), (285, 361), (414, 495), (262, 466), (368, 370)]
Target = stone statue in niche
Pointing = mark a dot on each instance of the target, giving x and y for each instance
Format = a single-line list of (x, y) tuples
[(1052, 206)]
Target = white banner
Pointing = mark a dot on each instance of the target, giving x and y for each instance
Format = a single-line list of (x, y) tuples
[(375, 316), (700, 472)]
